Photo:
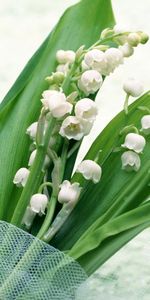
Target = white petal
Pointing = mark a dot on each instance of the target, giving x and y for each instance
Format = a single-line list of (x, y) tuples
[(72, 128), (145, 122), (69, 192), (90, 170), (133, 87), (134, 141), (90, 82), (86, 109), (38, 203), (32, 130), (130, 161), (21, 177)]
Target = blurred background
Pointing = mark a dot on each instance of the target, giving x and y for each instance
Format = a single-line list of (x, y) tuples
[(23, 27)]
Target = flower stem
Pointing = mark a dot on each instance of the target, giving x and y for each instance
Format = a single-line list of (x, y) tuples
[(34, 178), (53, 200), (126, 104)]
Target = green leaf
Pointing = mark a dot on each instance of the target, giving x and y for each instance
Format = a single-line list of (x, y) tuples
[(80, 24), (118, 191), (95, 237), (92, 260)]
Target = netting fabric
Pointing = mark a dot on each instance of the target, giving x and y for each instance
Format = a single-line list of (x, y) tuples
[(31, 269)]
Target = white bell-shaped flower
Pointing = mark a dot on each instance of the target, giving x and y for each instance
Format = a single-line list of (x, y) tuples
[(32, 130), (134, 141), (130, 161), (21, 177), (32, 158), (145, 122), (114, 58), (127, 50), (69, 192), (133, 87), (57, 103), (90, 82), (38, 203), (90, 170), (64, 57), (96, 60), (63, 68), (86, 110), (28, 217), (72, 128)]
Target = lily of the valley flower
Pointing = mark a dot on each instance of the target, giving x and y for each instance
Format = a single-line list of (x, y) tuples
[(90, 170), (38, 203), (32, 130), (28, 217), (127, 50), (69, 192), (73, 128), (21, 177), (64, 57), (57, 103), (96, 60), (32, 158), (114, 58), (86, 110), (63, 68), (135, 142), (145, 122), (90, 82), (130, 161), (133, 87)]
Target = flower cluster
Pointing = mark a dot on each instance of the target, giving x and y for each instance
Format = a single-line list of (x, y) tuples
[(68, 106)]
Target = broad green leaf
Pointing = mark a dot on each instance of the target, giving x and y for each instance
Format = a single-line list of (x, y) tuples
[(81, 24), (94, 259), (131, 219), (118, 191)]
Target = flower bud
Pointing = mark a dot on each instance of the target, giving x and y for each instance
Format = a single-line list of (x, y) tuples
[(32, 130), (133, 39), (72, 128), (38, 203), (32, 158), (58, 77), (106, 33), (90, 82), (90, 170), (95, 59), (133, 87), (64, 57), (130, 161), (57, 103), (143, 37), (28, 217), (135, 142), (126, 50), (21, 177), (86, 110), (69, 193), (145, 122)]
